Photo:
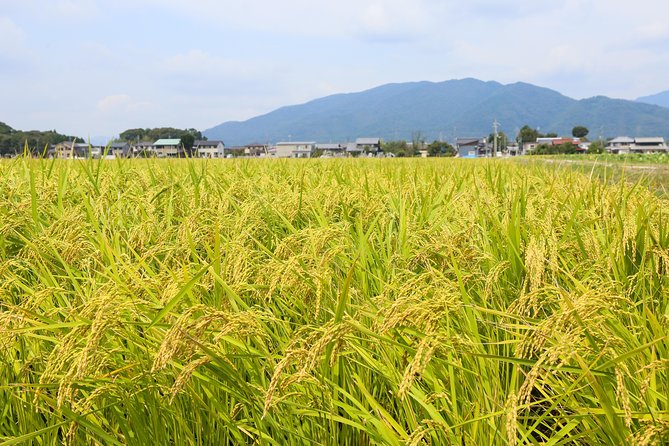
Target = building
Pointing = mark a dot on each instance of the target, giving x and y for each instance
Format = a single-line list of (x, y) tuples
[(168, 148), (297, 149), (71, 149), (256, 149), (331, 150), (142, 149), (514, 149), (471, 147), (352, 149), (625, 144), (119, 149), (209, 149), (368, 145)]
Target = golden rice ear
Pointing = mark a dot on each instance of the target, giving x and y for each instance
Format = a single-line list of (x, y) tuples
[(331, 302)]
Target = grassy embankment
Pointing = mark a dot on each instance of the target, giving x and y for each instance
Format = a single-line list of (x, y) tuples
[(330, 302)]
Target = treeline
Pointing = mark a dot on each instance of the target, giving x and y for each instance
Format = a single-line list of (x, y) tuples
[(15, 141), (187, 136)]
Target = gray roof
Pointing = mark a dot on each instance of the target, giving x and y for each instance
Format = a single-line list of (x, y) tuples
[(207, 143), (368, 141), (622, 140), (167, 142), (329, 146), (468, 141), (649, 140)]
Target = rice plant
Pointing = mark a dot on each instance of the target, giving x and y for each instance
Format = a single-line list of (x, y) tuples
[(348, 302)]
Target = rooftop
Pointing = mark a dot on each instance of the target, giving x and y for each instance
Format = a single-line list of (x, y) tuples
[(622, 140), (368, 141), (167, 142), (296, 143), (207, 143), (649, 140)]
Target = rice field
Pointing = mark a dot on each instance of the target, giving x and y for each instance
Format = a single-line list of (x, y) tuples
[(330, 302)]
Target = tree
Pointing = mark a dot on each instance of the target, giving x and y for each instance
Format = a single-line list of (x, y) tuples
[(187, 140), (133, 135), (567, 148), (397, 148), (417, 142), (580, 132), (502, 140), (5, 129), (440, 148), (528, 134), (597, 147)]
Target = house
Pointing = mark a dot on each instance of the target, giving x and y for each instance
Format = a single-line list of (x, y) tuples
[(514, 149), (168, 148), (142, 149), (352, 149), (209, 149), (649, 145), (331, 150), (581, 146), (471, 147), (119, 149), (71, 149), (368, 145), (297, 149), (97, 151), (256, 149), (625, 144)]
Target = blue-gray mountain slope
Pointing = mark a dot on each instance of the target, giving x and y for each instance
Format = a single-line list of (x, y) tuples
[(661, 99), (447, 109)]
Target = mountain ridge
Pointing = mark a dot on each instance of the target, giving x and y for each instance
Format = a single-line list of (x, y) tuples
[(661, 99), (462, 107)]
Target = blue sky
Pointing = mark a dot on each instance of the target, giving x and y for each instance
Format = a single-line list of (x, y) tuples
[(97, 67)]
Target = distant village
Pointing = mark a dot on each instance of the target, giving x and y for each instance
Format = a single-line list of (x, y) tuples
[(362, 147)]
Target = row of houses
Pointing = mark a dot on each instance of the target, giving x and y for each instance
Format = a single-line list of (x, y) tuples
[(173, 148), (305, 149), (162, 148), (465, 147), (480, 147)]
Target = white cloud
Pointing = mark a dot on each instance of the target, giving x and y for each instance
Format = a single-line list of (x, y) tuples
[(200, 62), (11, 37), (120, 103), (77, 9)]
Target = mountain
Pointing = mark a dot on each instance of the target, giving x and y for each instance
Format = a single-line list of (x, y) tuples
[(661, 99), (465, 107)]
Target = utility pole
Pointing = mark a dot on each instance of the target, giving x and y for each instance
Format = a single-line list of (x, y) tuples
[(495, 126)]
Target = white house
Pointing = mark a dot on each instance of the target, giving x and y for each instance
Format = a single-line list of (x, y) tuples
[(71, 149), (331, 150), (210, 149), (142, 149), (297, 149), (368, 145), (119, 149), (168, 148), (624, 144), (652, 144)]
